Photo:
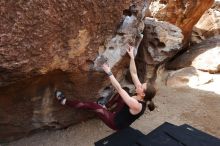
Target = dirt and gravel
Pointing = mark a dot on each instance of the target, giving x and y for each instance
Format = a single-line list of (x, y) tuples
[(196, 107)]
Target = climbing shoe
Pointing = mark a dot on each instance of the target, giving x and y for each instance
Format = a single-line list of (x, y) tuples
[(60, 97), (105, 96)]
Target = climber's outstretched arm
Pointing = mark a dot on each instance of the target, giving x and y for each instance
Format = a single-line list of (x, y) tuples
[(131, 102), (132, 67)]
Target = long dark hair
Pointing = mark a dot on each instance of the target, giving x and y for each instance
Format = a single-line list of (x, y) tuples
[(150, 92)]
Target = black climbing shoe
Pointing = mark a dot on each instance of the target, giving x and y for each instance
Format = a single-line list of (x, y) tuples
[(60, 96), (105, 96), (102, 101)]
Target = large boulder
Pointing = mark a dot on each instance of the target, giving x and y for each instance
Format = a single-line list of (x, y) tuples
[(38, 37), (208, 25), (161, 39), (188, 76), (48, 45), (203, 56), (182, 13), (161, 42)]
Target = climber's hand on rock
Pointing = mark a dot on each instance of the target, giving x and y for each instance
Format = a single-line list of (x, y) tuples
[(130, 51), (106, 68)]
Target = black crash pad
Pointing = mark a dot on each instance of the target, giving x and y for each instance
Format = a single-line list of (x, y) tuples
[(165, 135), (197, 133), (190, 136), (157, 137), (170, 135), (125, 137)]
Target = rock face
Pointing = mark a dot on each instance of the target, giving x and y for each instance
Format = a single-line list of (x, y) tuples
[(208, 25), (203, 56), (188, 76), (40, 36), (48, 45), (182, 13), (161, 41), (130, 32)]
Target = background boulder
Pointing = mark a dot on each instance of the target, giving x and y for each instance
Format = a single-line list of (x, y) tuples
[(184, 14), (203, 56), (188, 76), (208, 25)]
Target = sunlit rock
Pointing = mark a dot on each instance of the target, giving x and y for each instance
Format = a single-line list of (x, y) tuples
[(182, 13), (203, 56), (188, 76), (208, 25)]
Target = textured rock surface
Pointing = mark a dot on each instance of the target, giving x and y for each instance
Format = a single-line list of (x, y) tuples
[(208, 25), (161, 41), (188, 76), (203, 56), (40, 36), (48, 45), (182, 13)]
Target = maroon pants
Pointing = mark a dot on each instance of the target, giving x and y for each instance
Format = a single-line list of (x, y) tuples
[(105, 115)]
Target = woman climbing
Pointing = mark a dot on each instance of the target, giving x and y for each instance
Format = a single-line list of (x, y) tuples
[(129, 108)]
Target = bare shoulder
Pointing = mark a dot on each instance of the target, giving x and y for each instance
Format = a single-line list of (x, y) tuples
[(135, 97)]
